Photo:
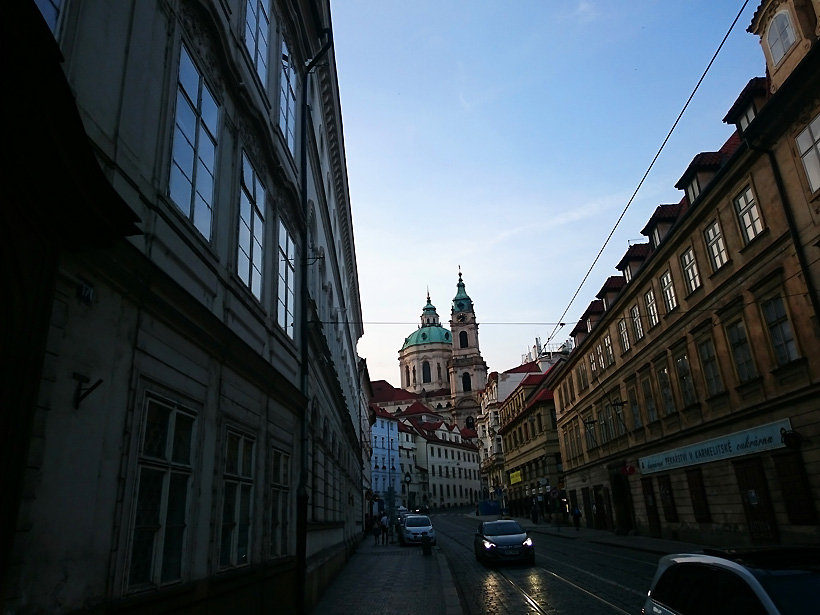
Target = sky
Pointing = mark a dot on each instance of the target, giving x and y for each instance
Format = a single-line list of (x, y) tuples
[(506, 137)]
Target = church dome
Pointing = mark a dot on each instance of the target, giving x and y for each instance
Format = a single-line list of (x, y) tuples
[(435, 334)]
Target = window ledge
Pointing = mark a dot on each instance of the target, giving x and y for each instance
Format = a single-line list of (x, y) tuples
[(724, 267), (754, 240)]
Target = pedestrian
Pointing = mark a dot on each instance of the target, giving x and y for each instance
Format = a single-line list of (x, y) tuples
[(385, 528), (376, 529), (534, 512), (576, 517)]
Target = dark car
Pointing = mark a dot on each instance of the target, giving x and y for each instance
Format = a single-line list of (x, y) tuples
[(503, 541), (752, 581), (422, 510)]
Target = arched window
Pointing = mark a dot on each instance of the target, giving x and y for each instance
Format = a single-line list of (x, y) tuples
[(438, 369), (466, 383), (780, 37), (414, 374), (407, 375), (462, 339), (425, 372)]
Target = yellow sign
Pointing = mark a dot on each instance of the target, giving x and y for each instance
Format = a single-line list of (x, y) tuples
[(515, 477)]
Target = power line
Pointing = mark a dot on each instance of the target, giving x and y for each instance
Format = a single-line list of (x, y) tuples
[(651, 165)]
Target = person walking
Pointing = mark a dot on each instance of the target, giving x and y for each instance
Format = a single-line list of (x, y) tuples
[(376, 530), (385, 528), (576, 518)]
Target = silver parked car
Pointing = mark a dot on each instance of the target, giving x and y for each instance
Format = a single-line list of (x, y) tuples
[(414, 528), (754, 581)]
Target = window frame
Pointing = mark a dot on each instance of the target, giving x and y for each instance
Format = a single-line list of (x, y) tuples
[(808, 147), (287, 98), (781, 332), (710, 366), (748, 215), (279, 509), (252, 255), (256, 36), (242, 482), (651, 307), (205, 110), (741, 351), (169, 465), (780, 25), (286, 280), (623, 335), (637, 325), (670, 299), (691, 275), (715, 245)]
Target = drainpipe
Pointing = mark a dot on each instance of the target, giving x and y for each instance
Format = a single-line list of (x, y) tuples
[(304, 330), (798, 246)]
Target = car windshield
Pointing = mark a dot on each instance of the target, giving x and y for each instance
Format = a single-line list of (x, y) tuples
[(793, 591), (418, 522), (502, 528)]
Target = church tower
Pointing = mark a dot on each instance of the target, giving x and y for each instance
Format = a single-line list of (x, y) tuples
[(425, 354), (468, 371)]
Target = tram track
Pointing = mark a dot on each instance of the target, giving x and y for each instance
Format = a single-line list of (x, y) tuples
[(532, 602)]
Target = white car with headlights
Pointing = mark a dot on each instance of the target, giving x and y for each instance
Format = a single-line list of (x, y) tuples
[(503, 541)]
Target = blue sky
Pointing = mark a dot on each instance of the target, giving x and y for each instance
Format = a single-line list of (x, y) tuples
[(506, 137)]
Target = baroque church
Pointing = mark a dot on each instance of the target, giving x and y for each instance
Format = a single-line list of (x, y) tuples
[(444, 366)]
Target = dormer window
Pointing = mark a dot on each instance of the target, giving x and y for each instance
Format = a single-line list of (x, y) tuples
[(628, 275), (693, 190), (656, 237), (781, 36), (747, 117)]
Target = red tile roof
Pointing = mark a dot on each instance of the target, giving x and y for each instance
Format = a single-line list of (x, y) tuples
[(383, 391), (524, 368), (614, 283), (757, 86), (710, 161), (635, 252), (663, 213)]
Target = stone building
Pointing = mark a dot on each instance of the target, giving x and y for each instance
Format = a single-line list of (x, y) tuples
[(184, 419), (689, 408)]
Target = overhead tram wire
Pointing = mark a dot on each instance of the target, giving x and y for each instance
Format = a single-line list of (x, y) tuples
[(649, 169)]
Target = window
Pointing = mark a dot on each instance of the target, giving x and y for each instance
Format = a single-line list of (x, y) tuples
[(618, 405), (651, 307), (715, 245), (466, 383), (608, 354), (627, 274), (747, 213), (808, 144), (690, 270), (693, 189), (592, 365), (257, 27), (780, 37), (605, 421), (741, 351), (697, 492), (670, 511), (780, 330), (670, 301), (665, 388), (649, 400), (425, 372), (711, 369), (747, 117), (280, 503), (632, 396), (287, 280), (581, 372), (687, 387), (589, 432), (251, 228), (637, 325), (287, 99), (601, 361), (236, 501), (191, 184), (623, 335), (51, 10), (161, 516)]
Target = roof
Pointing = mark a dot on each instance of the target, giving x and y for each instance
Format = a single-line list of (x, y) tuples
[(382, 413), (530, 366), (613, 284), (462, 301), (415, 409), (635, 252), (756, 87), (428, 334), (383, 391), (710, 161), (663, 213)]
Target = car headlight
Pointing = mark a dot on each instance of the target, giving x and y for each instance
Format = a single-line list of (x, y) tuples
[(488, 544), (528, 542)]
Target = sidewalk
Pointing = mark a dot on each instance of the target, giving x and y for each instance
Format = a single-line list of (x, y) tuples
[(391, 580), (603, 537)]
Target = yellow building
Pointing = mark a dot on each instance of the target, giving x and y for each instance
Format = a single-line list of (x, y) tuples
[(690, 408)]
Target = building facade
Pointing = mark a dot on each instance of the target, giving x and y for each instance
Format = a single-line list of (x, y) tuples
[(188, 422), (689, 409)]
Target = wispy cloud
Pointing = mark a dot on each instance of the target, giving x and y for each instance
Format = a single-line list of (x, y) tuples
[(585, 12)]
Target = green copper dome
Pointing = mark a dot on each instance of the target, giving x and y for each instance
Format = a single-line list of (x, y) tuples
[(435, 334), (431, 331)]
